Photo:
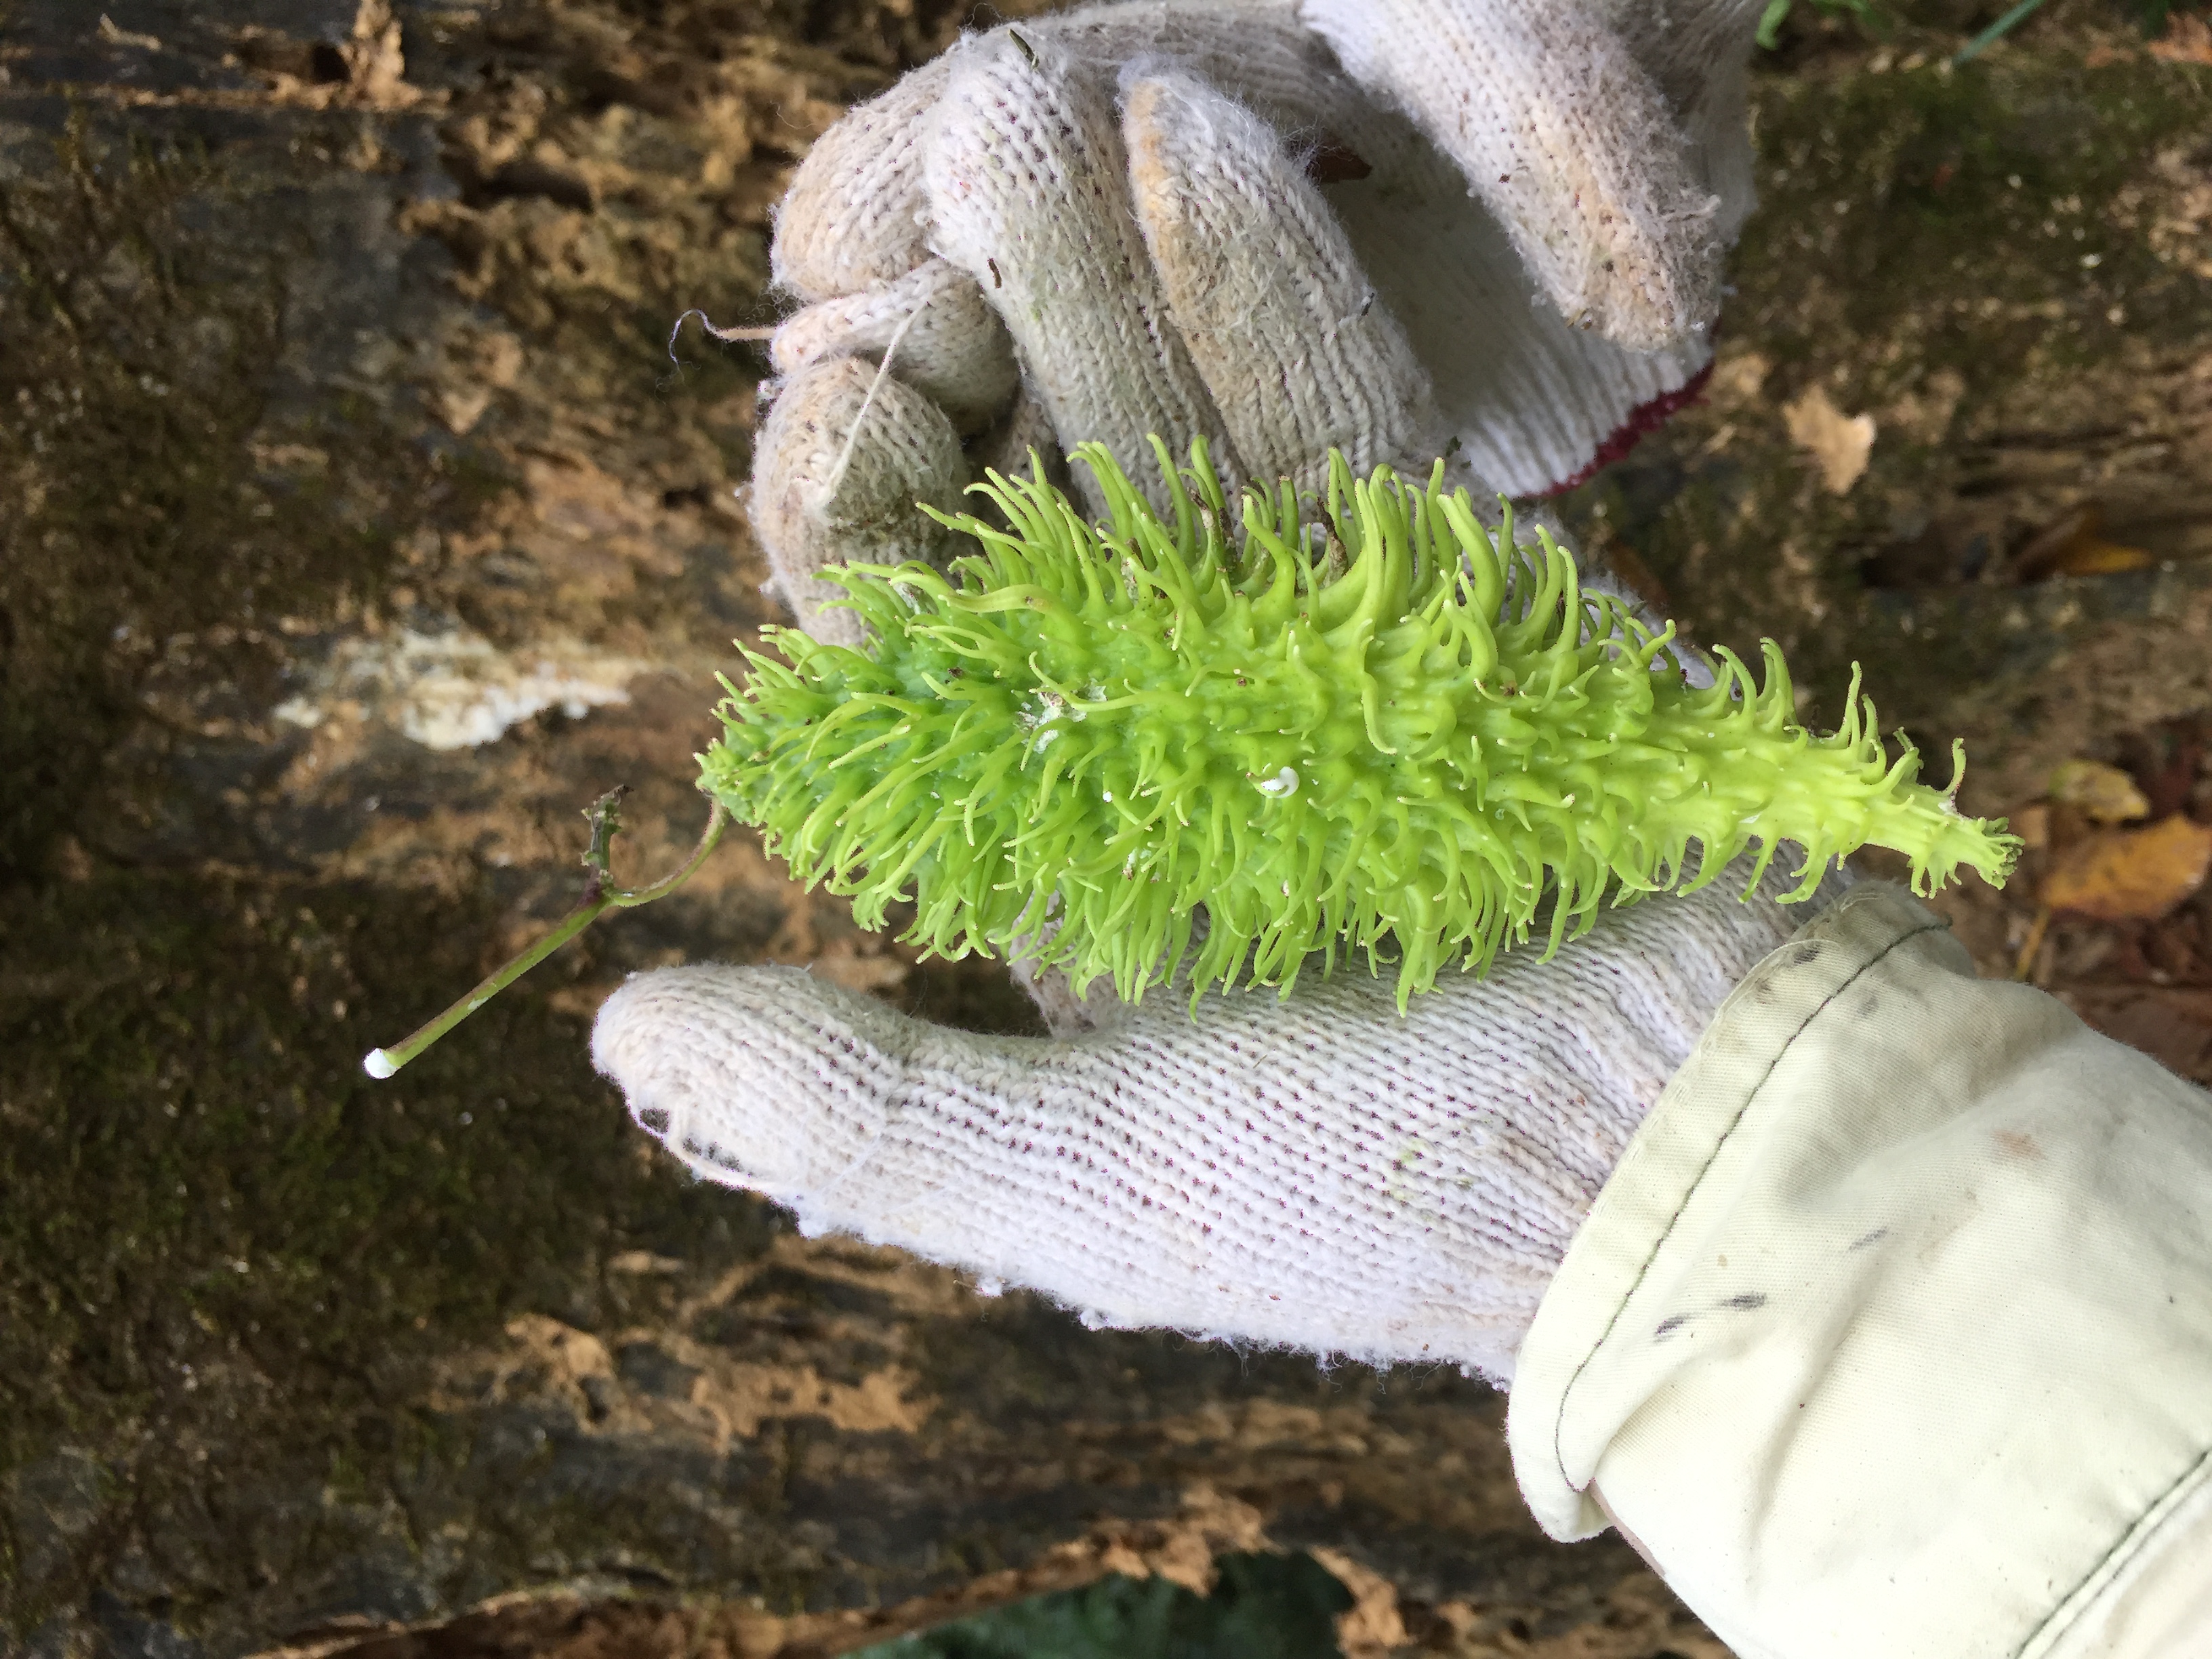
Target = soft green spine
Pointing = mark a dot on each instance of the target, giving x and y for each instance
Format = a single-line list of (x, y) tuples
[(1381, 726)]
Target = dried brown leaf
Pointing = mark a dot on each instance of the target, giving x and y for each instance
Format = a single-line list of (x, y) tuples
[(2187, 39), (2104, 793), (2100, 558), (2130, 875), (1841, 443), (2074, 544)]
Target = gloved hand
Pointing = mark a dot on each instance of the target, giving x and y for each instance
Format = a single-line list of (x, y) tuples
[(1103, 224), (1316, 1171)]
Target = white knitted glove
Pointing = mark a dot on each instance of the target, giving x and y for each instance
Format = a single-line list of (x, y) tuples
[(1102, 225), (1316, 1171)]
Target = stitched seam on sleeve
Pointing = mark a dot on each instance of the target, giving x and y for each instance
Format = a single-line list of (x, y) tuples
[(2196, 1474), (1559, 1422)]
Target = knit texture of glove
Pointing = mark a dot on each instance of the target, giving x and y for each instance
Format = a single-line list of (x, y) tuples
[(1283, 225), (1318, 1171)]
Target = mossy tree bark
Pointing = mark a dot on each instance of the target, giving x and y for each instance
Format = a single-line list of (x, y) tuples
[(360, 528)]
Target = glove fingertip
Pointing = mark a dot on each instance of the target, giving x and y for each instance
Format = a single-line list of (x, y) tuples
[(846, 449), (643, 1041), (731, 1069)]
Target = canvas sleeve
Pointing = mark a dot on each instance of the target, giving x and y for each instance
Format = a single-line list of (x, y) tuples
[(1892, 1333)]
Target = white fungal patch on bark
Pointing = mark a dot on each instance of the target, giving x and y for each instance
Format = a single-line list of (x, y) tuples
[(455, 689)]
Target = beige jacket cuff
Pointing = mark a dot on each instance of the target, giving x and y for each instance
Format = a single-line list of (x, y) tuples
[(1891, 1334)]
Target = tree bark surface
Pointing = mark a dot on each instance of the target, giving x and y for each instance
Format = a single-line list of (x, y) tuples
[(370, 509)]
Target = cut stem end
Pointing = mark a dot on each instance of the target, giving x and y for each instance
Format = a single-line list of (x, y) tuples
[(600, 896)]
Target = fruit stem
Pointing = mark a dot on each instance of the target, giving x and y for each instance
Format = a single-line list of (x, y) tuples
[(600, 896), (1995, 32)]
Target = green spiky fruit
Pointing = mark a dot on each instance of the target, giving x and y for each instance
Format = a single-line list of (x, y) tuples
[(1382, 725)]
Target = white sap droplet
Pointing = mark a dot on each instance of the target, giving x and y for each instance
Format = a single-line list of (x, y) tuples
[(1106, 795), (1284, 782), (377, 1064)]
